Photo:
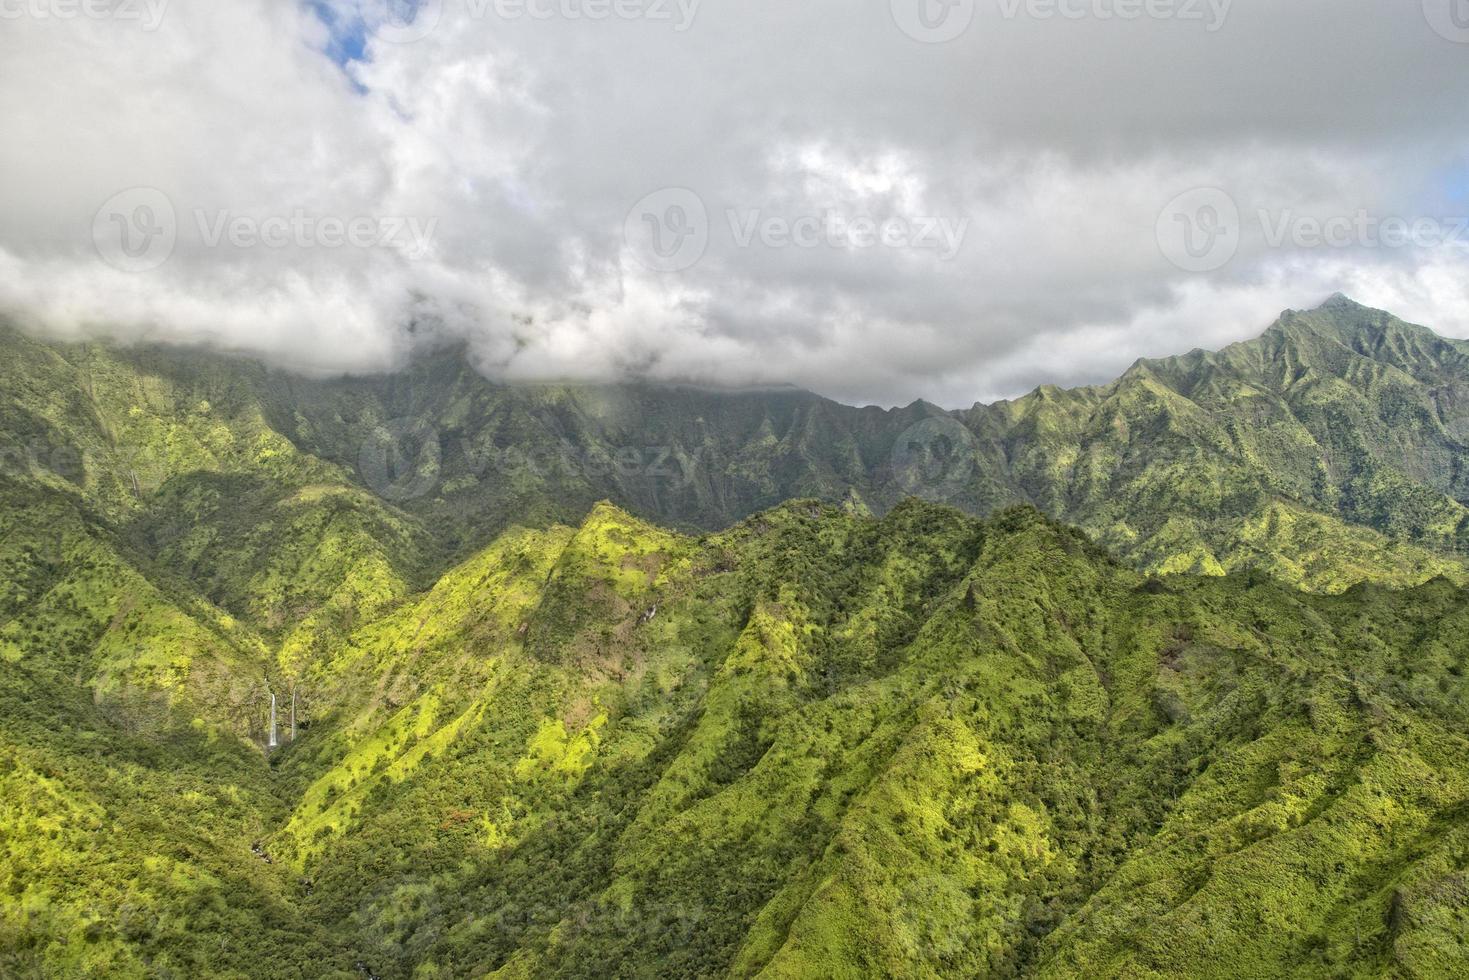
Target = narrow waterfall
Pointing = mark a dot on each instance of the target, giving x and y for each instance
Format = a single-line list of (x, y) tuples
[(273, 740)]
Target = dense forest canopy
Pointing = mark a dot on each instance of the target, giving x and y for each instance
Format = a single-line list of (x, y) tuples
[(1165, 677)]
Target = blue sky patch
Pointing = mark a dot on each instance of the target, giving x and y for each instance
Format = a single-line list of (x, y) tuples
[(348, 32)]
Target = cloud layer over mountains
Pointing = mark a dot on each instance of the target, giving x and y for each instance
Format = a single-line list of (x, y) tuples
[(879, 200)]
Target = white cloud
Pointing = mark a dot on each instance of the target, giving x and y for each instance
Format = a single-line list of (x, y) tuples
[(1054, 144)]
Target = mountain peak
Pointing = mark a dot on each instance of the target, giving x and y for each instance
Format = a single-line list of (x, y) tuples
[(1340, 301), (1340, 318), (605, 513)]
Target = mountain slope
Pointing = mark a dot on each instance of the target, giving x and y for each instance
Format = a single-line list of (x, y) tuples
[(820, 744), (169, 458), (717, 732), (1328, 451), (274, 515), (1337, 437)]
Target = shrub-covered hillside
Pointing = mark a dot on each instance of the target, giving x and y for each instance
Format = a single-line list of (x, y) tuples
[(818, 744), (702, 730)]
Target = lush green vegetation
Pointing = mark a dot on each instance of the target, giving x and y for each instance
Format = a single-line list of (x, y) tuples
[(545, 736), (919, 746)]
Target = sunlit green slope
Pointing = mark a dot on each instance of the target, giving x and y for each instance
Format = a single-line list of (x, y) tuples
[(172, 459), (823, 745), (816, 744)]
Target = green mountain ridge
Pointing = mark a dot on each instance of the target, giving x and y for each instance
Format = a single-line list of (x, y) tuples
[(1328, 451), (666, 681)]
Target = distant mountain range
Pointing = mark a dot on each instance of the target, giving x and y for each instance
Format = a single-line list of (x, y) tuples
[(1328, 451)]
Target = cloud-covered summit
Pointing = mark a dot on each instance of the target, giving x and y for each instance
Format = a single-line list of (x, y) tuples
[(842, 196)]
